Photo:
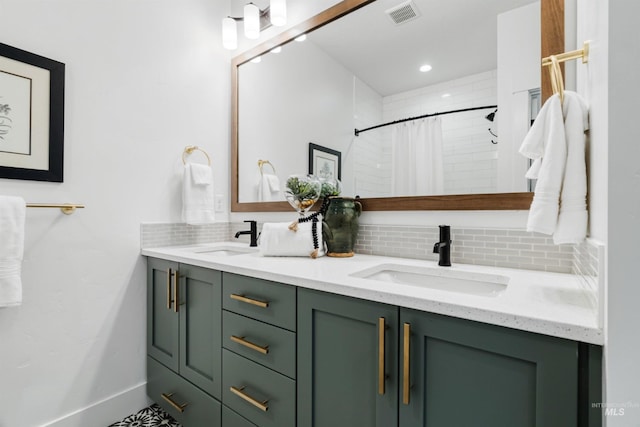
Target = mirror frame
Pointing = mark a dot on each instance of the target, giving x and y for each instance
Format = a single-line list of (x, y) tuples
[(552, 42)]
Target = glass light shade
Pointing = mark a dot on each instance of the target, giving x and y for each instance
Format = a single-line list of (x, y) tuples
[(251, 21), (278, 11), (229, 34)]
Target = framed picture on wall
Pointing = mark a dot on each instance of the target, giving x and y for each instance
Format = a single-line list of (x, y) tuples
[(324, 162), (31, 116)]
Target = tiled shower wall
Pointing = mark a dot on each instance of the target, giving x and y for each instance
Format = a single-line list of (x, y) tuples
[(470, 158), (493, 247)]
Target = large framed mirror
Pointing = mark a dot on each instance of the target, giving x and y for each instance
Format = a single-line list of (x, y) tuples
[(290, 100)]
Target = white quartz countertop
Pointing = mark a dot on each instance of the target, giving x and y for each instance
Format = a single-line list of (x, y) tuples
[(548, 303)]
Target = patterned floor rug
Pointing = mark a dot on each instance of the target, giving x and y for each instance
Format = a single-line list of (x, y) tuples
[(152, 416)]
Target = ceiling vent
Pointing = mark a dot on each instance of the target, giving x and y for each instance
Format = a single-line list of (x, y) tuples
[(404, 12)]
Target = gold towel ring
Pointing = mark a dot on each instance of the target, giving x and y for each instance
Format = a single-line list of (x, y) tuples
[(261, 163), (189, 149)]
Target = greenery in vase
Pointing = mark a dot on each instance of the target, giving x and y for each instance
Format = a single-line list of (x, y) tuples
[(329, 189)]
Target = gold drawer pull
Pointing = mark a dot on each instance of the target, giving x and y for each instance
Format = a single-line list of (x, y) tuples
[(239, 392), (249, 344), (381, 353), (405, 365), (169, 300), (179, 408), (242, 298), (176, 301)]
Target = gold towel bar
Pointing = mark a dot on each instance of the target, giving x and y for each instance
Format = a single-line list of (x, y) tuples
[(189, 149), (553, 62), (66, 208), (567, 56)]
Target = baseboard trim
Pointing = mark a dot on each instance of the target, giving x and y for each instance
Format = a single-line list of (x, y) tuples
[(106, 411)]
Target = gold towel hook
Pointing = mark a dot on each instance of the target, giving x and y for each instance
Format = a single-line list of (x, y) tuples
[(261, 163), (189, 149)]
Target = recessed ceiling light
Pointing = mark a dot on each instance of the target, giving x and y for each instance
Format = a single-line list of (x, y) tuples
[(301, 38), (426, 67), (256, 59), (446, 95), (276, 49)]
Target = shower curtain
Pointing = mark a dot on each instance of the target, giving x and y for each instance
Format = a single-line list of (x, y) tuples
[(416, 152)]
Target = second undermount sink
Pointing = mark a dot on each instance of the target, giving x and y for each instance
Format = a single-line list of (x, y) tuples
[(440, 278)]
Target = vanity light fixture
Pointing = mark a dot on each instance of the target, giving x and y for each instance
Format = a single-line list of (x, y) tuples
[(255, 20), (425, 68)]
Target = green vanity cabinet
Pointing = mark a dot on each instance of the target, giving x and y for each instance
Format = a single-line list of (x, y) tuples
[(259, 352), (439, 371), (457, 372), (347, 362), (162, 320), (184, 325)]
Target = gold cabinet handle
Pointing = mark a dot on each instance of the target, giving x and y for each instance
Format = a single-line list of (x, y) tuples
[(169, 300), (242, 298), (249, 344), (176, 299), (381, 352), (177, 406), (405, 364), (239, 392)]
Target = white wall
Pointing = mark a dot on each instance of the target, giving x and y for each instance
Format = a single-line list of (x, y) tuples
[(518, 72), (623, 214), (283, 122), (144, 79)]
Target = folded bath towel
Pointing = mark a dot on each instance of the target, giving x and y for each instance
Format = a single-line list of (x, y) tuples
[(268, 188), (556, 143), (277, 239), (12, 216), (198, 206)]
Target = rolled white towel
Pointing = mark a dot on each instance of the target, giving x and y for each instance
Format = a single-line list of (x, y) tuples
[(277, 239)]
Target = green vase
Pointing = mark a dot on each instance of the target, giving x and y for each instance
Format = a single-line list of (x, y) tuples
[(340, 226)]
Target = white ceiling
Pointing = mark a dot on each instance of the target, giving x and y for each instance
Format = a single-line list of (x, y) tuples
[(456, 37)]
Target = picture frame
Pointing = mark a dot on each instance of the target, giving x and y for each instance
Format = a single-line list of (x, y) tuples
[(31, 116), (324, 162)]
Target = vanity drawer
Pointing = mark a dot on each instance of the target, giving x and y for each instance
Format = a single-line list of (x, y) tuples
[(231, 419), (171, 392), (264, 397), (259, 299), (265, 344)]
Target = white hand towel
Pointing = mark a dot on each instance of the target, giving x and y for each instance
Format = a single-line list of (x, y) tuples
[(545, 143), (198, 204), (276, 239), (12, 216), (268, 188), (556, 142), (573, 217)]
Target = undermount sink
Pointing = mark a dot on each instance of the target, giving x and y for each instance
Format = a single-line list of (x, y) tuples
[(225, 250), (440, 278)]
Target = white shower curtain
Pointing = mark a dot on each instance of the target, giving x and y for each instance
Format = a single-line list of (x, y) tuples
[(416, 151)]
